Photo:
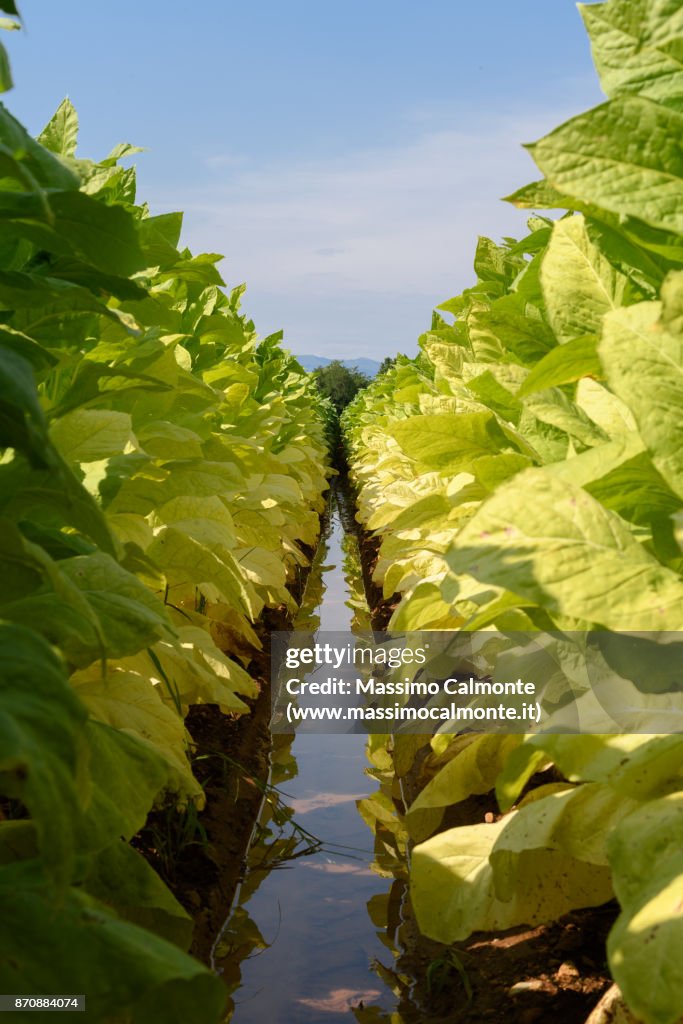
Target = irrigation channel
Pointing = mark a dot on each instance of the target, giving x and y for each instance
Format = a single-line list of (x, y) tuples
[(299, 943), (320, 929)]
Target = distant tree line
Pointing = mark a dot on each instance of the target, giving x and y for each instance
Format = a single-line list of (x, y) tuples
[(341, 383)]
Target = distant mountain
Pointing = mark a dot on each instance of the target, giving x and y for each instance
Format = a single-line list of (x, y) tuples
[(366, 366)]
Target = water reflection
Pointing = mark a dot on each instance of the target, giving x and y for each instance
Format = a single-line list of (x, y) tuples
[(298, 947)]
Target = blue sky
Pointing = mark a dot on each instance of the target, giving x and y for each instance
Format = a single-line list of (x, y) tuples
[(343, 156)]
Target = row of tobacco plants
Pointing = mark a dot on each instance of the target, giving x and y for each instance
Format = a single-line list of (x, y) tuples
[(525, 472), (161, 476)]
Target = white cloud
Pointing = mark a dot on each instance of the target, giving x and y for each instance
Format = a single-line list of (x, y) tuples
[(349, 255), (220, 161)]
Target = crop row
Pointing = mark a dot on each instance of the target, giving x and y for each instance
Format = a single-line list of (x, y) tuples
[(525, 473), (160, 484)]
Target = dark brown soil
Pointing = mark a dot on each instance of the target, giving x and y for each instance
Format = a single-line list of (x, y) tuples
[(552, 972)]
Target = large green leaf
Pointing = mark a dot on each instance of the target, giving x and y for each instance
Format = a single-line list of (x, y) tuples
[(185, 560), (41, 729), (105, 236), (540, 195), (644, 365), (550, 443), (622, 242), (636, 47), (178, 479), (599, 461), (513, 324), (654, 766), (619, 157), (450, 443), (130, 701), (22, 423), (159, 238), (130, 615), (544, 539), (35, 354), (96, 595), (636, 491), (20, 205), (6, 81), (123, 969), (43, 165), (576, 821), (52, 498), (580, 759), (70, 268), (35, 592), (524, 869), (206, 520), (563, 365), (553, 407), (579, 284), (121, 878), (86, 435), (198, 672), (20, 290), (93, 384), (473, 769), (493, 393), (60, 134), (127, 775), (646, 853), (604, 408), (492, 470)]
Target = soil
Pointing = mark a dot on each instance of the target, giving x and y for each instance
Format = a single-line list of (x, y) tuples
[(520, 976)]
